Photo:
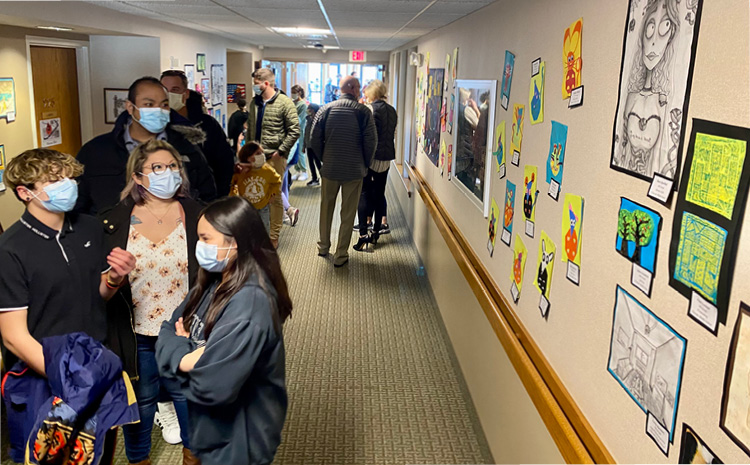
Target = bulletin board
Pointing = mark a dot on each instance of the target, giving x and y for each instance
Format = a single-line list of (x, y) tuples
[(654, 382)]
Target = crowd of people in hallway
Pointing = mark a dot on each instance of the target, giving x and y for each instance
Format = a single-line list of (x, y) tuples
[(144, 271)]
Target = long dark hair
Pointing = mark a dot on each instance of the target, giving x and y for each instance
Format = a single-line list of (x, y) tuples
[(238, 220)]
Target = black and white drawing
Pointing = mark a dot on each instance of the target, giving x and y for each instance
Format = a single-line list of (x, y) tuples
[(218, 84), (541, 277), (655, 80), (646, 357), (114, 104)]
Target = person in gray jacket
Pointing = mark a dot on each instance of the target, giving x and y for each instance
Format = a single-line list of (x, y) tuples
[(345, 138)]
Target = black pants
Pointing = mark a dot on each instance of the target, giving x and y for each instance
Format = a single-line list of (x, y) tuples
[(372, 200), (314, 162)]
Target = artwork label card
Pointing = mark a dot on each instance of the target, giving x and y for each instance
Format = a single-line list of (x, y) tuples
[(505, 237), (501, 170), (704, 312), (504, 102), (554, 189), (576, 97), (514, 292), (543, 306), (535, 66), (516, 160), (658, 433), (574, 273), (530, 228), (661, 188), (641, 278)]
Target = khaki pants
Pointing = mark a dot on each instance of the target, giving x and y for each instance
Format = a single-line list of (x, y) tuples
[(350, 191), (277, 207)]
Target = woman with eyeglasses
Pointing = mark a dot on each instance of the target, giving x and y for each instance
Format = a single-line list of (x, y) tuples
[(225, 344), (156, 221)]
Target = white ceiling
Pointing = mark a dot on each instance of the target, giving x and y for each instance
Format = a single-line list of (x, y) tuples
[(375, 25)]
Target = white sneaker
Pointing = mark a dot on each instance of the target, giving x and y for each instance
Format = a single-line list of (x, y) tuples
[(295, 176), (166, 419), (293, 215), (302, 176), (287, 219)]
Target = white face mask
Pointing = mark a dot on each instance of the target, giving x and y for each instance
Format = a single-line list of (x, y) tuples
[(258, 160), (175, 101), (295, 96)]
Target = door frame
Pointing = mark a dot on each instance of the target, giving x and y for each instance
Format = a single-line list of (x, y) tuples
[(84, 82)]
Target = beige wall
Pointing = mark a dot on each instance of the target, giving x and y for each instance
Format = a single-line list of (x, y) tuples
[(240, 71), (315, 56), (575, 338)]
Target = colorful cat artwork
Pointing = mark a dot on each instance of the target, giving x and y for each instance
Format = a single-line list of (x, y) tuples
[(536, 96)]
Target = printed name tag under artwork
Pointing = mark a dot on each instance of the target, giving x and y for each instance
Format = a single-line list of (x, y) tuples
[(530, 228), (535, 66), (658, 433), (554, 189), (516, 160), (502, 171), (543, 305), (641, 278), (504, 102), (576, 97), (704, 312), (505, 237), (574, 273), (514, 292), (661, 188)]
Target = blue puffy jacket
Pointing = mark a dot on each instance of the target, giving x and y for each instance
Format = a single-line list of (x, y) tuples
[(86, 393)]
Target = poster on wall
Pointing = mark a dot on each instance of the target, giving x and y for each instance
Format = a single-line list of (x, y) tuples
[(694, 450), (7, 99), (499, 152), (217, 115), (448, 72), (545, 265), (200, 61), (206, 89), (655, 79), (536, 95), (519, 266), (510, 63), (735, 403), (510, 205), (572, 236), (218, 84), (530, 196), (434, 99), (49, 132), (646, 357), (2, 167), (516, 134), (190, 75), (114, 104), (708, 218), (572, 61), (235, 89), (492, 227), (558, 139), (637, 240), (454, 66)]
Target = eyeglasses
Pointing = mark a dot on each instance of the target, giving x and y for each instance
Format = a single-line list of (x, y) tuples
[(159, 168)]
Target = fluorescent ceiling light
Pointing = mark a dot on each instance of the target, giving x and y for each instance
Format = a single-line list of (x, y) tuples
[(325, 47), (301, 30), (55, 28)]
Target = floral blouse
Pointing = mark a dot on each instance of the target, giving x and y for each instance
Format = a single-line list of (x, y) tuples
[(159, 282)]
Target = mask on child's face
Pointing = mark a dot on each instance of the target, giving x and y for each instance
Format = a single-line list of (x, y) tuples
[(258, 160)]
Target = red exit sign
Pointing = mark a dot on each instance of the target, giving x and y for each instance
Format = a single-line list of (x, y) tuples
[(357, 56)]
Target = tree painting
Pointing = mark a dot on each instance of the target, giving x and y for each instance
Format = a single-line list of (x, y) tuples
[(637, 231)]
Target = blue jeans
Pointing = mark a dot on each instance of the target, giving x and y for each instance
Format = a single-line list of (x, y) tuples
[(147, 389)]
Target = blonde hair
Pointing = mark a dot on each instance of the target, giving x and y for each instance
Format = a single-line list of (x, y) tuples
[(138, 158), (264, 74), (40, 165), (376, 90)]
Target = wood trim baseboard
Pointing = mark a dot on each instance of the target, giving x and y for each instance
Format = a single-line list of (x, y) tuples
[(569, 428)]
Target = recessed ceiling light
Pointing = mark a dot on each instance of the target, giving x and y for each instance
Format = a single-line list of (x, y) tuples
[(301, 30), (55, 28), (325, 47)]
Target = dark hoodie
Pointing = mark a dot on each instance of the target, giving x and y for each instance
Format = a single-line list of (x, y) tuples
[(236, 392), (105, 159)]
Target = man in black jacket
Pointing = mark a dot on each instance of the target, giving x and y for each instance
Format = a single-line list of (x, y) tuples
[(148, 116), (188, 103)]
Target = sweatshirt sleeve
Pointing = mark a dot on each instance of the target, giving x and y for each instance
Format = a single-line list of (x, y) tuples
[(291, 126), (170, 348), (232, 350)]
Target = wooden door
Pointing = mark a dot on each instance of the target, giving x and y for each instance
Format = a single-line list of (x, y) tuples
[(58, 118)]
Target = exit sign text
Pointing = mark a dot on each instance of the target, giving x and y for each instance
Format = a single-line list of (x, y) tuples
[(357, 56)]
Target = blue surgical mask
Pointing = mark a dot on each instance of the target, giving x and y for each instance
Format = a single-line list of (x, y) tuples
[(256, 89), (207, 256), (154, 120), (164, 185), (62, 196)]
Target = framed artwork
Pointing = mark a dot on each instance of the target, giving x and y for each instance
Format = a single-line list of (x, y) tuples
[(114, 104), (190, 75), (7, 99), (473, 138), (218, 85), (735, 403), (232, 89), (434, 101), (200, 61), (206, 89), (658, 54)]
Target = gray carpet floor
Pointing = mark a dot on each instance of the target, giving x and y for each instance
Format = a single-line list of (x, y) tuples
[(371, 375)]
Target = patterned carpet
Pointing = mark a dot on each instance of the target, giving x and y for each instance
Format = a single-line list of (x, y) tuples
[(371, 375)]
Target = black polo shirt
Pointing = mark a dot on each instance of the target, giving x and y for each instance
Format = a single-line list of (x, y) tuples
[(56, 275)]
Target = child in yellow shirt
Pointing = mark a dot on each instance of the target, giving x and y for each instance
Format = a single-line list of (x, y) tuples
[(257, 181)]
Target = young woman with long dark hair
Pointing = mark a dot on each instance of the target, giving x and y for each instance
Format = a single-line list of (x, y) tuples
[(224, 342)]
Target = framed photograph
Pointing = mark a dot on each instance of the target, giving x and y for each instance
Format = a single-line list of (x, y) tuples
[(206, 89), (7, 99), (218, 85), (190, 74), (114, 104), (200, 60), (735, 403), (472, 136)]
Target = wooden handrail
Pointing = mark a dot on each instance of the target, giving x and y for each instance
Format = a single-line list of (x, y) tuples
[(569, 428)]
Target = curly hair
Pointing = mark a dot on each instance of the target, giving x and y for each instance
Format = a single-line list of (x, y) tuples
[(40, 165), (661, 74)]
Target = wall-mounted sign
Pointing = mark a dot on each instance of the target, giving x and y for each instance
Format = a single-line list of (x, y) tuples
[(357, 56)]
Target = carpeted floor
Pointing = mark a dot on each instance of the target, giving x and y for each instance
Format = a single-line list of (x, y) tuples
[(371, 375)]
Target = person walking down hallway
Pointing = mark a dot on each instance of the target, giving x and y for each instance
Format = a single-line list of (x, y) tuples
[(236, 123), (147, 117), (188, 103), (372, 199), (345, 137), (312, 157), (298, 97), (272, 121)]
